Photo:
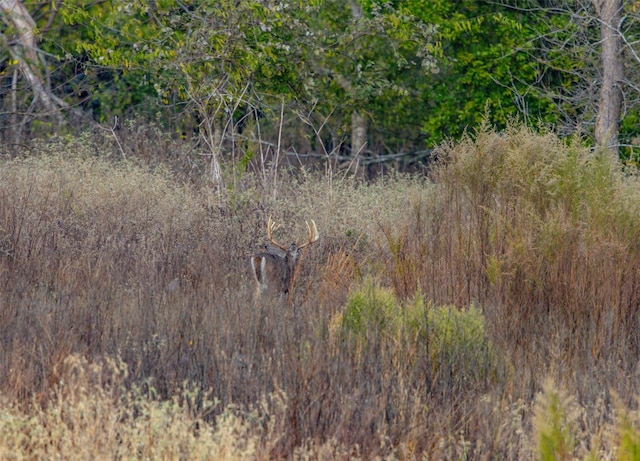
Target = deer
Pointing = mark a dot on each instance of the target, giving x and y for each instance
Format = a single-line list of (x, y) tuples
[(275, 269)]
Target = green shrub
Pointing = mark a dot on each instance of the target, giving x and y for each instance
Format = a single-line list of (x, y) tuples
[(370, 308), (458, 346), (453, 341)]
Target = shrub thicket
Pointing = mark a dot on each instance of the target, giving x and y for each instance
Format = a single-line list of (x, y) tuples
[(451, 343), (110, 259)]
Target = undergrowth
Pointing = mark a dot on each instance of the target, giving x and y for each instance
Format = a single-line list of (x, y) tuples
[(489, 311)]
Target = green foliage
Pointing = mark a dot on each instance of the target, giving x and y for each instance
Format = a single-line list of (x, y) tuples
[(189, 52), (458, 344), (418, 72), (373, 63), (554, 423), (319, 57), (485, 65), (456, 341), (630, 138), (628, 437), (371, 308)]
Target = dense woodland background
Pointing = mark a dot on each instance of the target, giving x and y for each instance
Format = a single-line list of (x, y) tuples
[(356, 82)]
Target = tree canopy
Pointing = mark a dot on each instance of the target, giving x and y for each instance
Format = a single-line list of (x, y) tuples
[(359, 78)]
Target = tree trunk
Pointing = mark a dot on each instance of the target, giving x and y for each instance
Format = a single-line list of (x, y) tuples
[(25, 52), (358, 122), (358, 133), (358, 142), (610, 103), (213, 137), (14, 131)]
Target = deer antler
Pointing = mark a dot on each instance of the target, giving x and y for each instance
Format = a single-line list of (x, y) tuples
[(271, 226), (313, 234)]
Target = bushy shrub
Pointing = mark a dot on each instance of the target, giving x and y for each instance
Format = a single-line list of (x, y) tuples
[(454, 341), (458, 345), (370, 307)]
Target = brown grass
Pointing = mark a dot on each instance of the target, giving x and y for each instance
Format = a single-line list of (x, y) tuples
[(127, 327)]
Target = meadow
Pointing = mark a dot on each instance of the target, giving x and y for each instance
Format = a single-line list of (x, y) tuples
[(485, 309)]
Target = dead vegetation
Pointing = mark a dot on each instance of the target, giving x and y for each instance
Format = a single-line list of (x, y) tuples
[(126, 306)]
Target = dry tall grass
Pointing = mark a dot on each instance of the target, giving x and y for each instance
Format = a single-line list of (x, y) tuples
[(127, 326)]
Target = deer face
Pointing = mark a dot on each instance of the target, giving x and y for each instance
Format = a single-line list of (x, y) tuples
[(293, 252)]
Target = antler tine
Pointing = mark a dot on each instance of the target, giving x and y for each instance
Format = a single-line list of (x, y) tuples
[(313, 233), (271, 226)]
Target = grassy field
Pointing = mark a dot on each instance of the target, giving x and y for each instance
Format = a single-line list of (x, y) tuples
[(489, 311)]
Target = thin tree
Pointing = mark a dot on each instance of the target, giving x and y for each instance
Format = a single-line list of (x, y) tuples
[(23, 49), (611, 97)]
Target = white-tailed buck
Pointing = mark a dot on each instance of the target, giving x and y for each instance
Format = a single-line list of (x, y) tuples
[(275, 269)]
